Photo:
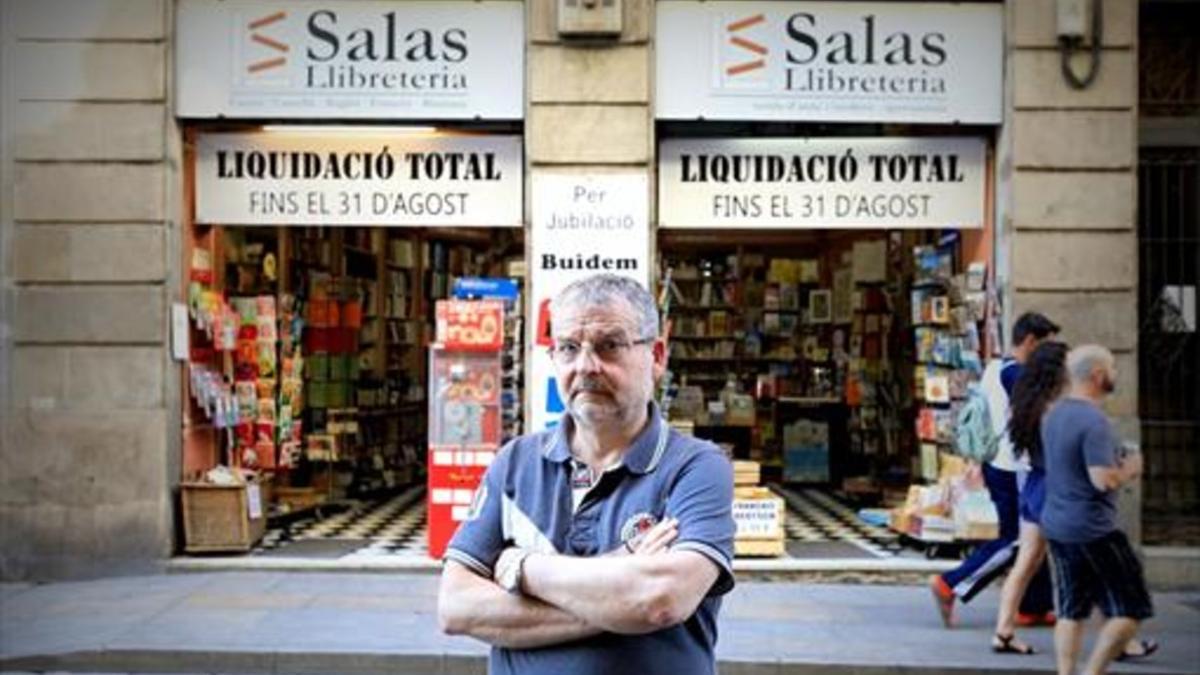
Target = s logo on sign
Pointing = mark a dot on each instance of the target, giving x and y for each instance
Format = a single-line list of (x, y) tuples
[(263, 58), (741, 57)]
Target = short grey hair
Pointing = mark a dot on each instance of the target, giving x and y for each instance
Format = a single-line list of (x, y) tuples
[(601, 290), (1083, 360)]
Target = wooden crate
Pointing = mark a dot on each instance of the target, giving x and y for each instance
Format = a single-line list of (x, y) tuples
[(746, 473), (217, 518), (752, 492), (758, 548), (293, 499)]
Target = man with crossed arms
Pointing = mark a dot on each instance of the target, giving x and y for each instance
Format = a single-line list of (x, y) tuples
[(604, 544)]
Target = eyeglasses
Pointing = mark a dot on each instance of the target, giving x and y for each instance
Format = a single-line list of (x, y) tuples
[(609, 350)]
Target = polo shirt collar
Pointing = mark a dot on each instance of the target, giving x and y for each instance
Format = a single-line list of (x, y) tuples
[(642, 456)]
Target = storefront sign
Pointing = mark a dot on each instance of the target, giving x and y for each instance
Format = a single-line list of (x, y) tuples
[(349, 178), (934, 62), (783, 183), (270, 59), (582, 225)]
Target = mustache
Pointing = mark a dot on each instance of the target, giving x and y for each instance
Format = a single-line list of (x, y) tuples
[(586, 384)]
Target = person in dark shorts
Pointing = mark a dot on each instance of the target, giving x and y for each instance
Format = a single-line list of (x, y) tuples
[(1093, 562)]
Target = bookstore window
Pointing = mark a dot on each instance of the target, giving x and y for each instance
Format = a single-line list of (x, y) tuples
[(308, 368), (831, 347)]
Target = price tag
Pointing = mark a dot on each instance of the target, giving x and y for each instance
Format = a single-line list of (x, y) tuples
[(254, 501)]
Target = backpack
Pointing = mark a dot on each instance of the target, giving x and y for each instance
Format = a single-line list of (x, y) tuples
[(974, 436)]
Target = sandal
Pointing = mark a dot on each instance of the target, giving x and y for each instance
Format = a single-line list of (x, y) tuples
[(1148, 646), (1007, 646)]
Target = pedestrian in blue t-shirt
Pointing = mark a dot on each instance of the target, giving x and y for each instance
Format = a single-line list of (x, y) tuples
[(605, 544), (1093, 561)]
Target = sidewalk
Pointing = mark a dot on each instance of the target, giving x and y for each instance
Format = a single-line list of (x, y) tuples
[(278, 622)]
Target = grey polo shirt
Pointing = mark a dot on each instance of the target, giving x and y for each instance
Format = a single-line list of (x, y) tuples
[(525, 499)]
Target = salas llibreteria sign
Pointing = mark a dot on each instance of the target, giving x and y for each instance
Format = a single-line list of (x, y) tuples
[(351, 178), (582, 225), (932, 62), (784, 183), (341, 59)]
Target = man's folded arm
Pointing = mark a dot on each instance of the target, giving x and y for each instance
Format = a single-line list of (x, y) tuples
[(629, 595), (469, 604)]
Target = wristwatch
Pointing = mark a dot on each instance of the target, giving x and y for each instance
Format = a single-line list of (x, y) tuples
[(511, 576)]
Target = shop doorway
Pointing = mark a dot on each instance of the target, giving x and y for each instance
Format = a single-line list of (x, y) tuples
[(1169, 268), (1168, 350)]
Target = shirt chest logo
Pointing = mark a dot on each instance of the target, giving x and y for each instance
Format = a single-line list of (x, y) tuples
[(637, 524)]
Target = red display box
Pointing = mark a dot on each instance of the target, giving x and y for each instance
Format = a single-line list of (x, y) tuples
[(464, 411)]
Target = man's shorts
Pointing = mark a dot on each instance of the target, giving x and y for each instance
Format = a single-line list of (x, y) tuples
[(1033, 496), (1101, 572)]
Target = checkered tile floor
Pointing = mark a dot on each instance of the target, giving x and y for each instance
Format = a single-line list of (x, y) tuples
[(393, 526), (396, 527), (816, 516)]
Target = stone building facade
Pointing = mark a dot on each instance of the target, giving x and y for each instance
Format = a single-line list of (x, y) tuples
[(90, 168)]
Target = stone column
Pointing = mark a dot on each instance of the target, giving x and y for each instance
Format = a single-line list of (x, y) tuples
[(1070, 211), (84, 483), (589, 102), (587, 110)]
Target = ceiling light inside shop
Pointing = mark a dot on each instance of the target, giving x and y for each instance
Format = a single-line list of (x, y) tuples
[(341, 129)]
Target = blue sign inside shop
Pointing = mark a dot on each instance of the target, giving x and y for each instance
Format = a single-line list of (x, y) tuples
[(469, 288)]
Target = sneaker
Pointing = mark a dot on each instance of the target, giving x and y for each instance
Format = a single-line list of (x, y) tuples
[(1028, 620), (943, 597)]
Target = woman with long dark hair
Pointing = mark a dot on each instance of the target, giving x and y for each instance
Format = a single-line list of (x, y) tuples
[(1043, 379)]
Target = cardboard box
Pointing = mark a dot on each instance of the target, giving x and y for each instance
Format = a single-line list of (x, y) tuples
[(933, 528)]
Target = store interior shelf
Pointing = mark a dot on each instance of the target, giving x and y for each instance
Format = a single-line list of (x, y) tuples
[(703, 308), (808, 400)]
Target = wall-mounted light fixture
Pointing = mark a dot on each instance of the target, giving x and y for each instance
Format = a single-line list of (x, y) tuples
[(1072, 18), (589, 18)]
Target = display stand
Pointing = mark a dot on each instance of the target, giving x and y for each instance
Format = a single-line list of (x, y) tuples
[(464, 410), (507, 291)]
